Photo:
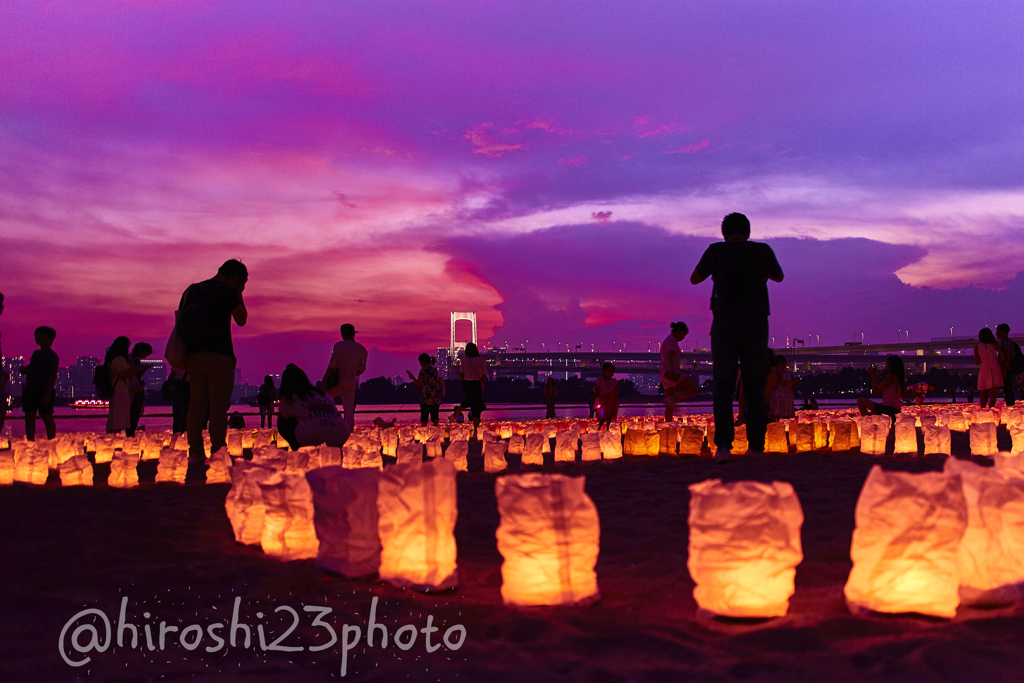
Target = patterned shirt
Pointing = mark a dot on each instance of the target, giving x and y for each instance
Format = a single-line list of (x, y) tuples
[(1008, 351), (430, 386)]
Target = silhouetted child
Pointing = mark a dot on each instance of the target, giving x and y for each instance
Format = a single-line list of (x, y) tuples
[(40, 379), (236, 421), (607, 392)]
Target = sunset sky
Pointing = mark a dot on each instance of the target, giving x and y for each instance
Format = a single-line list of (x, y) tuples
[(557, 167)]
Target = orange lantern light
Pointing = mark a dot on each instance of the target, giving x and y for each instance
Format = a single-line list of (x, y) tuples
[(345, 516), (288, 531)]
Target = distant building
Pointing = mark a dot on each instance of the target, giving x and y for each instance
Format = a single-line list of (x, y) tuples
[(81, 374), (444, 364), (11, 367)]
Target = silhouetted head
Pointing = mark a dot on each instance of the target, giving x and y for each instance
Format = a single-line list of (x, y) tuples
[(551, 381), (472, 351), (142, 350), (608, 369), (735, 226), (267, 379), (425, 360), (780, 360), (119, 347), (1002, 330), (680, 330), (986, 336), (295, 383), (45, 335), (894, 365), (234, 273), (348, 331)]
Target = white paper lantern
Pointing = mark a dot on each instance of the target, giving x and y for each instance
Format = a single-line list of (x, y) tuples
[(355, 457), (244, 503), (590, 447), (345, 517), (172, 467), (634, 443), (739, 440), (124, 473), (411, 452), (418, 507), (494, 456), (936, 439), (668, 440), (904, 549), (983, 439), (549, 539), (330, 456), (775, 438), (6, 467), (744, 546), (533, 449), (31, 465), (990, 559), (566, 444), (873, 434), (841, 435), (1017, 438), (458, 454), (270, 456), (104, 449), (906, 435), (957, 422), (218, 467), (234, 443), (288, 531), (801, 435), (76, 471), (611, 444)]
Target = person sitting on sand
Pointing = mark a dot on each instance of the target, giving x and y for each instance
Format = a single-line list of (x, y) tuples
[(607, 392), (891, 387), (307, 416)]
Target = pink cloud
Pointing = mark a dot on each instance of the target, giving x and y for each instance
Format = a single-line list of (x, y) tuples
[(601, 216), (661, 130), (689, 148), (574, 161), (484, 142)]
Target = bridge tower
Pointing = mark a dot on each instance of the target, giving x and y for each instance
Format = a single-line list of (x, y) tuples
[(454, 348)]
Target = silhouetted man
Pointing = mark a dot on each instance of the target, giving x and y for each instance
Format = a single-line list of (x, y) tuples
[(740, 270), (1011, 362), (205, 326), (348, 361)]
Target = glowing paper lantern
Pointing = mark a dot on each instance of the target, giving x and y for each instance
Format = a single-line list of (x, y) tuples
[(906, 435), (820, 435), (516, 444), (263, 437), (172, 466), (494, 456), (549, 539), (983, 439), (234, 443), (590, 447), (611, 444), (104, 449), (533, 449), (739, 440), (412, 452), (990, 415), (668, 440), (433, 446), (6, 467), (355, 456), (330, 456), (67, 448), (270, 456), (565, 446), (124, 473), (801, 434), (244, 502), (775, 438), (936, 439), (151, 448), (957, 422), (458, 453), (248, 438), (218, 467), (990, 558), (925, 420), (345, 517), (31, 466), (76, 471), (288, 531), (744, 546), (460, 432), (418, 508), (904, 548), (841, 436), (1017, 437), (691, 440), (873, 435), (635, 443), (1013, 461)]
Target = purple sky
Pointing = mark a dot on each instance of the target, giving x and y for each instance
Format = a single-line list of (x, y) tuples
[(557, 167)]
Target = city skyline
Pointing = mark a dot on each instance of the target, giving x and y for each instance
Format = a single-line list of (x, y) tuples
[(559, 170)]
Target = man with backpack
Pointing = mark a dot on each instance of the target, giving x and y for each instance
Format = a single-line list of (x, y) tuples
[(1013, 362), (204, 325)]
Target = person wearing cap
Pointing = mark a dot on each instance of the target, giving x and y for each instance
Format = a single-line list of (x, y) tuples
[(677, 386), (348, 361)]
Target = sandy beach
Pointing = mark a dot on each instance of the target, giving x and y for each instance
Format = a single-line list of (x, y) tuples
[(169, 550)]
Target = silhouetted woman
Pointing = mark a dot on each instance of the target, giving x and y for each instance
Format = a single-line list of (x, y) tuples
[(989, 356), (119, 418), (307, 416), (473, 374)]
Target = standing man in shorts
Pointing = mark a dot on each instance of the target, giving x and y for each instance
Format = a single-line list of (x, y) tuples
[(348, 361), (740, 270), (40, 380), (676, 385)]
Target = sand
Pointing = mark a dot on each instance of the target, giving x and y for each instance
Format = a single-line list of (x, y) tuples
[(169, 549)]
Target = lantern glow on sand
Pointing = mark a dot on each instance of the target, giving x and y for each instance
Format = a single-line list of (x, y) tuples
[(345, 516), (744, 547), (549, 538), (288, 531)]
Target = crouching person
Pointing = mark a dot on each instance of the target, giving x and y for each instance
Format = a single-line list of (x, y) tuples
[(307, 416)]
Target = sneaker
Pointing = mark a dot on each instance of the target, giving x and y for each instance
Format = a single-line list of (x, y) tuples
[(722, 455)]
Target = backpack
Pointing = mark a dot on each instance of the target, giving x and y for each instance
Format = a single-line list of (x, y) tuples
[(101, 380), (1017, 364), (193, 323)]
